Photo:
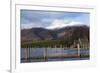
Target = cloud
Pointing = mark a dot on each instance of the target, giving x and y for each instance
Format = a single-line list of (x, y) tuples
[(51, 19), (30, 25), (35, 15), (63, 23)]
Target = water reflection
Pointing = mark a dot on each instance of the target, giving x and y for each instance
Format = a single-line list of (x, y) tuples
[(52, 54)]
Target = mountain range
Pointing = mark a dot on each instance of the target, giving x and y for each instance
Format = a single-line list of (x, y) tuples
[(65, 33)]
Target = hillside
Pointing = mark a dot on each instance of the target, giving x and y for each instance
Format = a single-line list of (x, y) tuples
[(67, 35)]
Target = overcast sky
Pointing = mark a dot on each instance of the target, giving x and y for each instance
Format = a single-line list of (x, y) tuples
[(50, 20)]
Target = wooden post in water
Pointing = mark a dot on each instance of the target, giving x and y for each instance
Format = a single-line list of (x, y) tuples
[(56, 48), (29, 53), (45, 54), (62, 51), (78, 47), (26, 54)]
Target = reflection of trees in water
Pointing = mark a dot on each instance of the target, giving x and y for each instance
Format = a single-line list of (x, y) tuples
[(58, 53)]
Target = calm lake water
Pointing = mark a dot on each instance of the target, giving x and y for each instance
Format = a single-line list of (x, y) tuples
[(52, 54)]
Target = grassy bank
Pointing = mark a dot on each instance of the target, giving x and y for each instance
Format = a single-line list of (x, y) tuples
[(52, 44)]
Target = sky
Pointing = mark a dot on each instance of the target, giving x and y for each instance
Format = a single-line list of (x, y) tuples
[(52, 19)]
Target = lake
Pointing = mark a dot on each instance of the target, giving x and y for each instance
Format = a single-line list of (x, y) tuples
[(52, 54)]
